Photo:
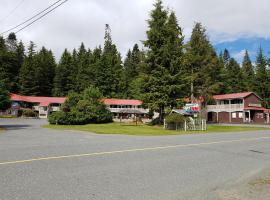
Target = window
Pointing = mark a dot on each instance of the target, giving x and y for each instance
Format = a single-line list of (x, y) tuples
[(240, 115), (233, 115)]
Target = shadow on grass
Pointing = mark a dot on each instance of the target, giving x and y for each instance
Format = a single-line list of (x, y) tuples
[(14, 126)]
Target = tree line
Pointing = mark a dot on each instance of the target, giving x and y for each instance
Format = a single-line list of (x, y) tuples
[(166, 70)]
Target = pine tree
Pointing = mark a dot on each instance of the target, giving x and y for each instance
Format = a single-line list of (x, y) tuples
[(27, 74), (5, 102), (11, 42), (204, 68), (160, 75), (11, 56), (248, 72), (132, 64), (235, 78), (44, 72), (261, 83), (226, 57), (85, 74), (110, 73), (63, 80)]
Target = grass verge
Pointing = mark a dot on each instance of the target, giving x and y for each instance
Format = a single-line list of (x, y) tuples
[(132, 129), (7, 116)]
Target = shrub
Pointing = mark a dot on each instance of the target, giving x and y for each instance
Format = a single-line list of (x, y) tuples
[(28, 113), (175, 118), (81, 109), (155, 121)]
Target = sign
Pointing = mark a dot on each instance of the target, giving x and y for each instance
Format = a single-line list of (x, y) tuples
[(192, 108)]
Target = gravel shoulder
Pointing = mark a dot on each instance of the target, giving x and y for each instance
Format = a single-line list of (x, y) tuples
[(256, 186)]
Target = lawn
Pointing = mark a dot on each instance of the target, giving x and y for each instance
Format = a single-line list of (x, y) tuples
[(132, 129), (7, 116)]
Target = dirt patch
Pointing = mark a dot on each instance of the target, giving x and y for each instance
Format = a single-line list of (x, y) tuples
[(256, 187)]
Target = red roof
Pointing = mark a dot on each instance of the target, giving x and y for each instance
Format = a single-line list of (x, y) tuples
[(132, 102), (43, 101), (233, 96)]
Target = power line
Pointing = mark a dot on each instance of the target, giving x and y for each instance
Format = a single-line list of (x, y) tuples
[(41, 16), (32, 17), (12, 11)]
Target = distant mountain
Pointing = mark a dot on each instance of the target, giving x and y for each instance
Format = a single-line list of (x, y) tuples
[(238, 47)]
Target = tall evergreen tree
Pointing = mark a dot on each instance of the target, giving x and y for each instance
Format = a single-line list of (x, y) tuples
[(5, 102), (235, 78), (159, 83), (27, 74), (85, 74), (11, 57), (132, 64), (63, 80), (44, 72), (204, 68), (226, 57), (248, 72), (110, 73), (261, 83)]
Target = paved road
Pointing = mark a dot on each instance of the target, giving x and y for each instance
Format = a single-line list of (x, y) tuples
[(38, 163)]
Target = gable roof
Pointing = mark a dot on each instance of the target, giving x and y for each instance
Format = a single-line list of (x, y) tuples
[(234, 96), (132, 102), (43, 101)]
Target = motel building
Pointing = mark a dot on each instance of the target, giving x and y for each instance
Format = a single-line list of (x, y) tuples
[(44, 106), (237, 108), (126, 108)]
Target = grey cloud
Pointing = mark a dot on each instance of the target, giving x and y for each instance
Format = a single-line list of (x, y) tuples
[(84, 20)]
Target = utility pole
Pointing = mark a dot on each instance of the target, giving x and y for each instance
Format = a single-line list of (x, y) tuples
[(192, 87)]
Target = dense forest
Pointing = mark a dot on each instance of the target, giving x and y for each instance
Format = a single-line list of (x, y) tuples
[(168, 69)]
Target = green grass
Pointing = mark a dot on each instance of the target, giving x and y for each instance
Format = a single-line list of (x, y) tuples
[(7, 116), (132, 129)]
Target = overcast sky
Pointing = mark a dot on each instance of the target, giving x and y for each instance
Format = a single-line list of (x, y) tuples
[(84, 20)]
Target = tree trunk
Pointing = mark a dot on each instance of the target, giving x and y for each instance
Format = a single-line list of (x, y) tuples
[(161, 114)]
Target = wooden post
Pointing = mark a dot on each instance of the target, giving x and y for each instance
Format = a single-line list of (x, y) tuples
[(185, 125), (120, 117), (164, 124)]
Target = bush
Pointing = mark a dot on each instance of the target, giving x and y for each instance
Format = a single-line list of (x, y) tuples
[(81, 109), (28, 113), (78, 118), (155, 121), (175, 118)]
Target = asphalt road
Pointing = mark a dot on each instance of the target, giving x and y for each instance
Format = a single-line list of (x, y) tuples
[(37, 163)]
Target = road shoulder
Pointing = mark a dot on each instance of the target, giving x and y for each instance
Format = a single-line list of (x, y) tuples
[(256, 186)]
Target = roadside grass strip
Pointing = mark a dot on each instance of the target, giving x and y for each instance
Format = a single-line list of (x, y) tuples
[(146, 130), (128, 150)]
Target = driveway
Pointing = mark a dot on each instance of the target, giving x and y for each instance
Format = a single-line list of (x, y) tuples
[(38, 163)]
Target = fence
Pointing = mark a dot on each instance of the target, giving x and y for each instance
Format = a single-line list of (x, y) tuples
[(188, 125)]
